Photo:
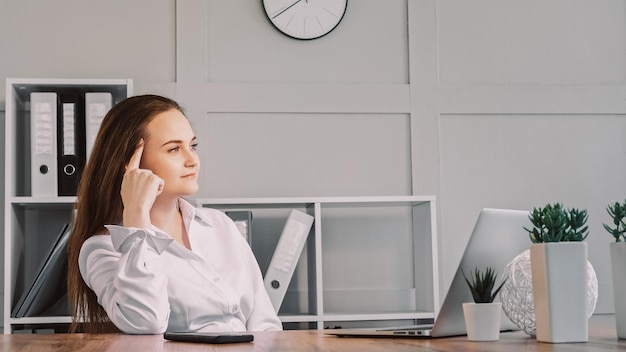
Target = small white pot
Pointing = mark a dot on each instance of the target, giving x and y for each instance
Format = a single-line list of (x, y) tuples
[(618, 266), (482, 321)]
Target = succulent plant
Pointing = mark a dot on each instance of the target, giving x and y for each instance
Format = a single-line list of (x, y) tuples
[(482, 285), (617, 211), (576, 220), (553, 223)]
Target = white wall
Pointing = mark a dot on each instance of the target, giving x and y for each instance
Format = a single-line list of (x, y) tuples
[(531, 102), (484, 103)]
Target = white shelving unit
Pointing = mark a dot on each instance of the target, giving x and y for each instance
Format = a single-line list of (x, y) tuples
[(31, 223), (368, 261)]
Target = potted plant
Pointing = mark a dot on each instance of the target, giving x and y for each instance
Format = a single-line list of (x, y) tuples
[(558, 260), (482, 317), (617, 211)]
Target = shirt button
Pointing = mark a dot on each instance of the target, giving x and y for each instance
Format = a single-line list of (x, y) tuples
[(235, 309)]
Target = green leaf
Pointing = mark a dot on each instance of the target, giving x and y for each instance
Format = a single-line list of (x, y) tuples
[(482, 285), (617, 212), (554, 223)]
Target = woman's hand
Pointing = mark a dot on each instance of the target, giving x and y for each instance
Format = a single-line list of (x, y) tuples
[(140, 187)]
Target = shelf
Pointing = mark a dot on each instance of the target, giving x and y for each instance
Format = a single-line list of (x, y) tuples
[(283, 318), (43, 201), (42, 320), (311, 200), (304, 318)]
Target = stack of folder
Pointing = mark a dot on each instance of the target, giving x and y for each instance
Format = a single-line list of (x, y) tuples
[(47, 294), (64, 124)]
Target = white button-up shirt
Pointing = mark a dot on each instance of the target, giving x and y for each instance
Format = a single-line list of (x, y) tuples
[(148, 283)]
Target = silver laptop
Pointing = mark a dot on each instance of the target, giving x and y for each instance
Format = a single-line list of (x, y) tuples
[(497, 238)]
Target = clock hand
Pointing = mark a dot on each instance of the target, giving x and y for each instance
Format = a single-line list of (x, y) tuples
[(288, 7)]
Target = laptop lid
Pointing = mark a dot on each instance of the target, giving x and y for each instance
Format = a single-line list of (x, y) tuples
[(498, 237)]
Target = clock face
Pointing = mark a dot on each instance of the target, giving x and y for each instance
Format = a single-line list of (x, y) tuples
[(305, 19)]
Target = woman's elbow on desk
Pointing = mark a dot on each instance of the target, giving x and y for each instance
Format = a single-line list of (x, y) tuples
[(140, 323), (143, 329)]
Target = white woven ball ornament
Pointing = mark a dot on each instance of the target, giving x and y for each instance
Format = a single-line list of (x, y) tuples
[(517, 293)]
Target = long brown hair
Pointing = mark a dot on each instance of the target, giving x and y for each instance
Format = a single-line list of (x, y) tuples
[(99, 201)]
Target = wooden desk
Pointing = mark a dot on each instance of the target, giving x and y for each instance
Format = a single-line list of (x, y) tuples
[(602, 337)]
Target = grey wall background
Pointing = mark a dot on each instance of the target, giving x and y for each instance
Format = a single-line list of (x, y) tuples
[(483, 103)]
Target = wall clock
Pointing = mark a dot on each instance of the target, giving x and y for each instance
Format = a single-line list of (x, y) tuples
[(305, 19)]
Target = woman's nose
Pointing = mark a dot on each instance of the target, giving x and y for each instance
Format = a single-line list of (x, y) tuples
[(192, 158)]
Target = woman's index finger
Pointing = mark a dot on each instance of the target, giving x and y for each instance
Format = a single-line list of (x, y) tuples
[(135, 159)]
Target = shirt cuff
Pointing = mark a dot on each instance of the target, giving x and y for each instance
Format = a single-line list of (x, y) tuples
[(124, 237)]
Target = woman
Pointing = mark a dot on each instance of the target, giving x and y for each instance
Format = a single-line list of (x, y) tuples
[(139, 255)]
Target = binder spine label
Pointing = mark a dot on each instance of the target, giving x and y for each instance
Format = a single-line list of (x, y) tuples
[(69, 129), (71, 142), (97, 105), (44, 144)]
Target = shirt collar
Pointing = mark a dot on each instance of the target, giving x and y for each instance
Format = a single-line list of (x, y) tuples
[(189, 212)]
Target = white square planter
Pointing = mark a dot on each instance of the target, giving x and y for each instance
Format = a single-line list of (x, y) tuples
[(559, 277), (618, 267)]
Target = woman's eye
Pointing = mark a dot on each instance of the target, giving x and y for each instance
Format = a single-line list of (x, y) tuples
[(175, 149), (194, 146)]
